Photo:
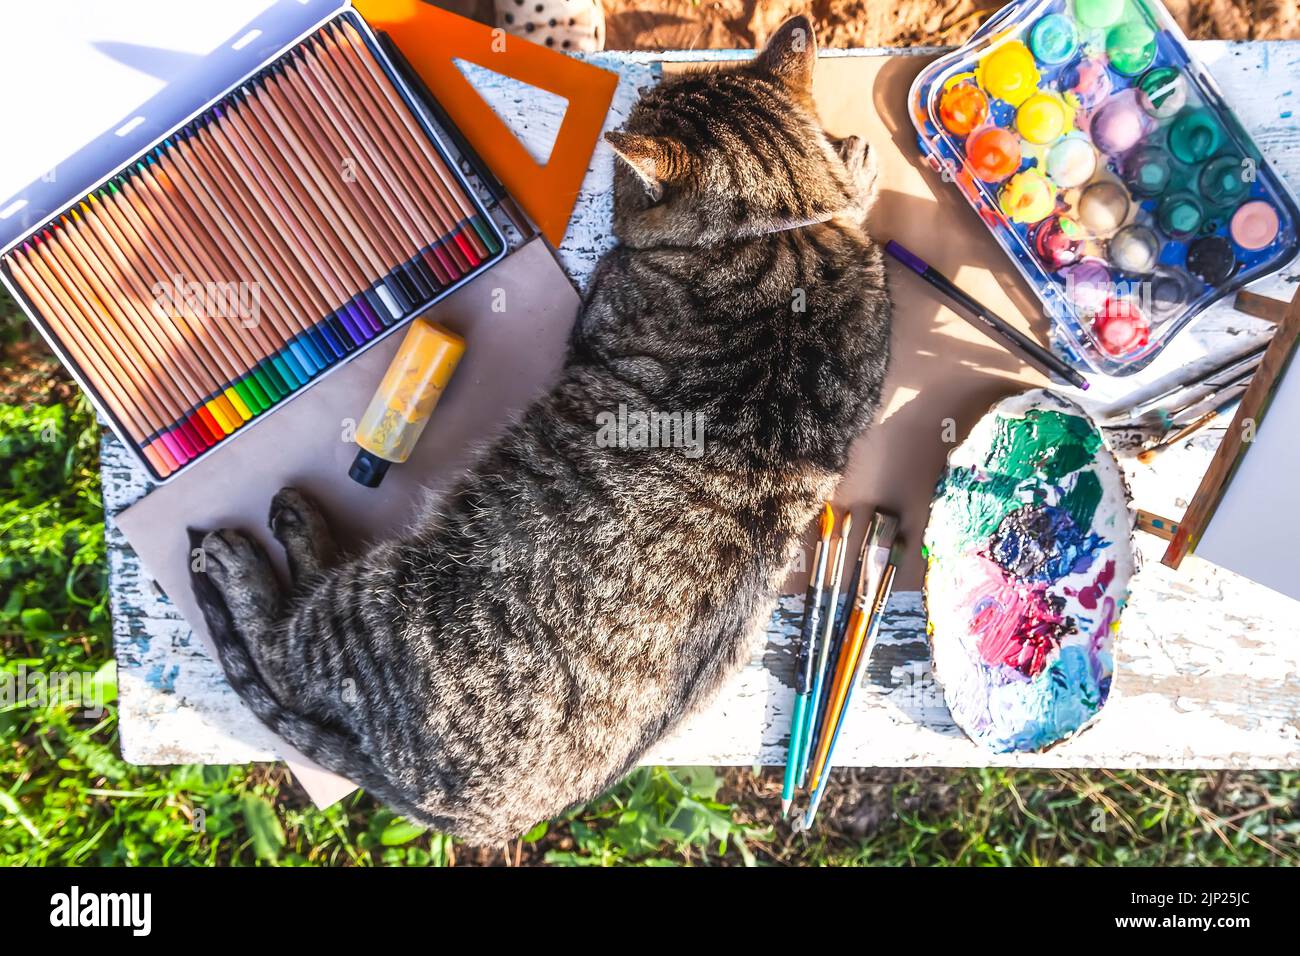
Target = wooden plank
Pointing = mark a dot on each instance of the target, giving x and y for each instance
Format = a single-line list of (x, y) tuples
[(1207, 662)]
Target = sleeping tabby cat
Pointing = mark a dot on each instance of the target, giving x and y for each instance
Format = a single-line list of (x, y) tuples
[(571, 600)]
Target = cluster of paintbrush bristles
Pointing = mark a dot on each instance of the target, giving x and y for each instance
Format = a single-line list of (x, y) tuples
[(1193, 403), (836, 641), (254, 249)]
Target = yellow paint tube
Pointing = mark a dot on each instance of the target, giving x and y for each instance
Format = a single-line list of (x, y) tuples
[(404, 400)]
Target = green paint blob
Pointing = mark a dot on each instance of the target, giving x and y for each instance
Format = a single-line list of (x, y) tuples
[(1042, 447), (1131, 47), (1223, 181), (1098, 13), (1050, 444), (1082, 499), (1195, 135)]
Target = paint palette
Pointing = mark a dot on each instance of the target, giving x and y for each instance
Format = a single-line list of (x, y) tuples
[(1029, 555), (1105, 162)]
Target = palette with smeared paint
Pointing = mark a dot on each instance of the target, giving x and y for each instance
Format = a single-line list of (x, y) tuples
[(1088, 134), (1029, 556)]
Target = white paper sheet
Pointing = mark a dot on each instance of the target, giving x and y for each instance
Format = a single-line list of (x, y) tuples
[(1256, 529)]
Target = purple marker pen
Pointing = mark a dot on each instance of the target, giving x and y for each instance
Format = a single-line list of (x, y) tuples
[(988, 322)]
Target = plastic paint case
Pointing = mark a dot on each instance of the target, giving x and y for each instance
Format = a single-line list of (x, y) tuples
[(1163, 139)]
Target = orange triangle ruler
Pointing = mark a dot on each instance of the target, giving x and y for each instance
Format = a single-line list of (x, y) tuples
[(432, 39)]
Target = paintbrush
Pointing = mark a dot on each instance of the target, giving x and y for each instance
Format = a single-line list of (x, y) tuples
[(812, 606), (1227, 407), (873, 630), (876, 550), (824, 646), (1231, 367), (852, 592)]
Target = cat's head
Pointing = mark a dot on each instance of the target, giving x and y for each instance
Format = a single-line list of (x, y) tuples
[(729, 153)]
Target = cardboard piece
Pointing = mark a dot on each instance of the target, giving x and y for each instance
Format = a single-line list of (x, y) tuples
[(510, 358)]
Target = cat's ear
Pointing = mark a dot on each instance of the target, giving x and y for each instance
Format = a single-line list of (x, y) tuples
[(657, 160), (791, 54)]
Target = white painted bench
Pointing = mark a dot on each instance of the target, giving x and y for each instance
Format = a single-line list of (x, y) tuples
[(1208, 663)]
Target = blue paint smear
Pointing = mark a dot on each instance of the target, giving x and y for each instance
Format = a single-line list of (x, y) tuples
[(1029, 717), (163, 681)]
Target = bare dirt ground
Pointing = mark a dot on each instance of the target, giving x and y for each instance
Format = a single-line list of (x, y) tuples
[(694, 24)]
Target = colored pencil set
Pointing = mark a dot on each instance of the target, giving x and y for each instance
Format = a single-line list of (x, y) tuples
[(836, 640), (280, 232)]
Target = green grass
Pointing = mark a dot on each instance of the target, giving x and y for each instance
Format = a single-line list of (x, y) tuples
[(67, 798)]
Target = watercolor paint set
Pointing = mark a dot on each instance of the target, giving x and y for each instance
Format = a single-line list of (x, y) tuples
[(281, 229), (1104, 160)]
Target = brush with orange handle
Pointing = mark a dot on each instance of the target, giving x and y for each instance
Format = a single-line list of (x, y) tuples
[(875, 550)]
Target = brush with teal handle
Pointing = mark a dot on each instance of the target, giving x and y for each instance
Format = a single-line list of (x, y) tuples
[(812, 609)]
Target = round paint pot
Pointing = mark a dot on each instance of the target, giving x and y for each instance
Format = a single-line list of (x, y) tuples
[(993, 153), (1087, 283), (1180, 215), (1009, 73), (1162, 91), (1120, 327), (1058, 241), (1088, 81), (1147, 171), (1130, 47), (1098, 13), (1103, 207), (1222, 181), (1170, 291), (962, 108), (1053, 39), (1195, 135), (1133, 249), (1027, 197), (1042, 118), (1071, 161), (1119, 123), (1254, 225), (1210, 258)]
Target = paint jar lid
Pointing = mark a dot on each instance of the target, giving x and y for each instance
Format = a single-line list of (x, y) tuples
[(368, 469)]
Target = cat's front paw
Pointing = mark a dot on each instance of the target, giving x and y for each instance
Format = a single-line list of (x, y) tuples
[(860, 161), (299, 525), (243, 575)]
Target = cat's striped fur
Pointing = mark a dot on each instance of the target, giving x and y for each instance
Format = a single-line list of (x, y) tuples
[(569, 603)]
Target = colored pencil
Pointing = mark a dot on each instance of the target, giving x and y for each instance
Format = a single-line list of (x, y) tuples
[(803, 669), (286, 227)]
